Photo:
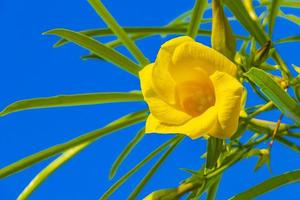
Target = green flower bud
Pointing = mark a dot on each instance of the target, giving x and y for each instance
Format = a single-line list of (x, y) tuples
[(262, 54), (222, 38), (167, 194)]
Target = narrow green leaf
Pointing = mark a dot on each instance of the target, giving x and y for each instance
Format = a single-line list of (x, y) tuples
[(294, 4), (118, 30), (51, 168), (125, 152), (97, 48), (125, 177), (150, 173), (295, 38), (197, 13), (273, 12), (290, 17), (268, 185), (275, 93), (240, 12), (71, 100), (121, 123), (148, 31), (288, 143), (285, 3)]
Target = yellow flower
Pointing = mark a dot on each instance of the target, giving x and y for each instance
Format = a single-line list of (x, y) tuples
[(191, 89)]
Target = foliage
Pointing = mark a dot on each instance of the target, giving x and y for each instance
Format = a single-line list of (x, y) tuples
[(254, 68)]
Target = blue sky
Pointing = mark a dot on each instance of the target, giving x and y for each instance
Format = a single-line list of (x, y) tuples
[(30, 67)]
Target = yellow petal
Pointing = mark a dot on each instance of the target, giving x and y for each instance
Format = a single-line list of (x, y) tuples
[(228, 94), (160, 109), (163, 83), (194, 128), (198, 57), (175, 42)]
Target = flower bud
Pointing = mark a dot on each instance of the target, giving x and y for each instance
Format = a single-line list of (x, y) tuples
[(262, 54), (222, 38), (166, 194)]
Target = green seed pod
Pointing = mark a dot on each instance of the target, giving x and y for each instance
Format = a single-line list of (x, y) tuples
[(222, 38)]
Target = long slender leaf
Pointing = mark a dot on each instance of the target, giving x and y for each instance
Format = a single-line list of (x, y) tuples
[(197, 13), (71, 100), (125, 152), (99, 49), (295, 38), (145, 180), (273, 12), (240, 12), (290, 17), (275, 93), (125, 177), (285, 3), (118, 30), (51, 168), (268, 185), (288, 143), (123, 122), (145, 31)]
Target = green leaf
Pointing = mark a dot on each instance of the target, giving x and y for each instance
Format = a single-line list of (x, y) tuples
[(275, 93), (268, 185), (51, 168), (264, 159), (125, 152), (118, 30), (273, 12), (71, 100), (296, 68), (121, 123), (125, 177), (294, 38), (197, 13), (253, 27), (284, 3), (97, 48), (288, 143), (145, 31), (292, 18), (293, 4), (150, 173), (240, 12)]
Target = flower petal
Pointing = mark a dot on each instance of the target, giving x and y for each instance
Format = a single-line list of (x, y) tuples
[(163, 83), (194, 128), (228, 94), (195, 56), (158, 107)]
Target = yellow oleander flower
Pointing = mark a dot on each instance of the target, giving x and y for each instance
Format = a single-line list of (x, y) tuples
[(191, 89)]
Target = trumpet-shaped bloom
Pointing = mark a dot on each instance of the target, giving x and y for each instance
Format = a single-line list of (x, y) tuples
[(191, 89)]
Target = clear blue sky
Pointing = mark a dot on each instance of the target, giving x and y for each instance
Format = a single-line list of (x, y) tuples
[(30, 67)]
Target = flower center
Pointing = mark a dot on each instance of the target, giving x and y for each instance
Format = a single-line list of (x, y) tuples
[(195, 97)]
